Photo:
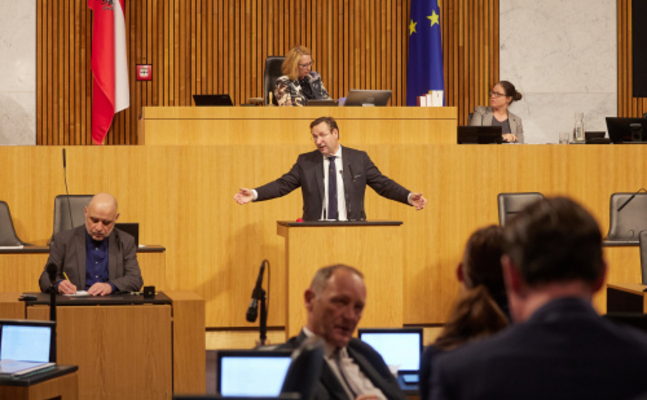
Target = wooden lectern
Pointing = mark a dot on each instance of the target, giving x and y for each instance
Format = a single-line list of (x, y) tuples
[(374, 247)]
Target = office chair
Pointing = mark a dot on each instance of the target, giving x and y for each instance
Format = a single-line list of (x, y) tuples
[(305, 369), (643, 256), (512, 203), (63, 211), (8, 236), (272, 71), (627, 217)]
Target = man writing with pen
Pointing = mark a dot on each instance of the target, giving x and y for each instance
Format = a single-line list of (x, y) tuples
[(95, 257)]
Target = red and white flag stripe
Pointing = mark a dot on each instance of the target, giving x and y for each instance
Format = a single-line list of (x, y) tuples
[(110, 92)]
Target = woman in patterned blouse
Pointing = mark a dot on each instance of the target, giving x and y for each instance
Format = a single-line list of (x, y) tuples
[(299, 82)]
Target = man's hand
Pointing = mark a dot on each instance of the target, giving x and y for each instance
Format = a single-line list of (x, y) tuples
[(100, 289), (66, 287), (244, 196), (417, 200)]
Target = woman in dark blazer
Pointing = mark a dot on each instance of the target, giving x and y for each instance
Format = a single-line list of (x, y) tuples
[(299, 82), (501, 96)]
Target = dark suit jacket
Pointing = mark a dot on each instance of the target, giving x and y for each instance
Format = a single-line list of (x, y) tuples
[(308, 174), (370, 363), (564, 351), (67, 252)]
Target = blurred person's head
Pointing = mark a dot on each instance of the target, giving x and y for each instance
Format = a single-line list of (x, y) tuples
[(335, 301), (553, 248), (479, 310), (298, 63)]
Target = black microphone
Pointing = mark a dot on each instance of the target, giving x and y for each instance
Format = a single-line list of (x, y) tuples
[(67, 192), (348, 212), (51, 270), (630, 198), (257, 294), (64, 163)]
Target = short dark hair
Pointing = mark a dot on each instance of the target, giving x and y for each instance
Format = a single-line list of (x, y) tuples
[(322, 276), (330, 121), (555, 240)]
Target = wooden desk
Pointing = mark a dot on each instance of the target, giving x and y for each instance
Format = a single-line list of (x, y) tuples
[(626, 297), (132, 351), (64, 386), (358, 126), (21, 268), (312, 245)]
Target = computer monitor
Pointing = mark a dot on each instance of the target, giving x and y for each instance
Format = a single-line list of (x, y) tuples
[(251, 373), (627, 130), (367, 98), (399, 347), (285, 396), (479, 135), (131, 228), (212, 100)]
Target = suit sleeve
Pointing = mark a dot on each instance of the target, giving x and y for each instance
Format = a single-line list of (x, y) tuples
[(132, 280), (477, 117), (520, 138), (282, 186), (383, 185)]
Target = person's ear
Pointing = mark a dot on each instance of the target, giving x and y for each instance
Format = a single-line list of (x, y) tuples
[(309, 297), (599, 282), (513, 281), (459, 273)]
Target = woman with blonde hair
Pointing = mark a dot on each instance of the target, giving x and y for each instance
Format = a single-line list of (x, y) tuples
[(299, 82), (482, 308)]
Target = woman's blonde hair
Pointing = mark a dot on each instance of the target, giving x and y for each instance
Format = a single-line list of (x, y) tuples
[(290, 66)]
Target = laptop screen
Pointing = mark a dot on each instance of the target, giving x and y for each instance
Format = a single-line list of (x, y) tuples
[(26, 340), (252, 373), (399, 348)]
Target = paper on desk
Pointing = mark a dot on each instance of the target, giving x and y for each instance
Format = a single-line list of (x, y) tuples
[(12, 247), (79, 293)]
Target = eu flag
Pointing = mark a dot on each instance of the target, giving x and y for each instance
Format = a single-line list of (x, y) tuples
[(425, 70)]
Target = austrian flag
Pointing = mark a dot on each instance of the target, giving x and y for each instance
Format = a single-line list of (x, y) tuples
[(109, 65)]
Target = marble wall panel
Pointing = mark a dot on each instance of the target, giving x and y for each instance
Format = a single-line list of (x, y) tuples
[(17, 72), (562, 55)]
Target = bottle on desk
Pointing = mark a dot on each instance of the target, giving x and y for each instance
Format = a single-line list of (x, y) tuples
[(578, 129)]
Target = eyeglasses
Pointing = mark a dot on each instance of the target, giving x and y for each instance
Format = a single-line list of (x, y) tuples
[(307, 65), (496, 94)]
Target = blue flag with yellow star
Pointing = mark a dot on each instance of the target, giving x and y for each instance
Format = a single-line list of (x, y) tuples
[(425, 69)]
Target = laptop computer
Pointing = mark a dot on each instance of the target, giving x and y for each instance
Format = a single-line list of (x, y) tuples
[(367, 98), (251, 373), (627, 130), (400, 348), (479, 135), (212, 100), (131, 228), (26, 346)]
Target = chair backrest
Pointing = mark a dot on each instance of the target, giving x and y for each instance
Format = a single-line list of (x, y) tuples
[(272, 71), (305, 369), (643, 256), (512, 203), (626, 224), (8, 235), (66, 206)]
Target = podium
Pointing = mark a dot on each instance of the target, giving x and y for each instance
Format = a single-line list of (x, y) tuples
[(375, 248)]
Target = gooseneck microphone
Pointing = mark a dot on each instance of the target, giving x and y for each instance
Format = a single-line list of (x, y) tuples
[(67, 192), (257, 294), (348, 210), (52, 271), (630, 198)]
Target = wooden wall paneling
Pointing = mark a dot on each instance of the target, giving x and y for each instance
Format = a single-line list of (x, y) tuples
[(220, 46), (628, 106)]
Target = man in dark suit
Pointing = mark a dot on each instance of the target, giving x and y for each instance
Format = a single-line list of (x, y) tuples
[(94, 257), (352, 369), (560, 347), (333, 180)]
